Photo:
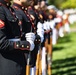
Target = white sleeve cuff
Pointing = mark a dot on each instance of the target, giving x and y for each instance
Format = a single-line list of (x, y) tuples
[(31, 45), (42, 37)]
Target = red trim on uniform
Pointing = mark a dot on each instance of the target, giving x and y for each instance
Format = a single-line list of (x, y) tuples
[(1, 24)]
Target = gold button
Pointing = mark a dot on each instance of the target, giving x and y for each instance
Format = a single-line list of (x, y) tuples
[(27, 46), (17, 45), (22, 45), (39, 40), (34, 28), (36, 39), (23, 8), (7, 4)]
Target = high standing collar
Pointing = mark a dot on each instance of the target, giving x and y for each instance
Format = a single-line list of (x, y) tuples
[(19, 6), (5, 3)]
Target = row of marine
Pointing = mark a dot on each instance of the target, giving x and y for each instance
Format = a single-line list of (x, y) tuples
[(25, 38)]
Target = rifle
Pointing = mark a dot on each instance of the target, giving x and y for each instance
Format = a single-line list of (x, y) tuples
[(49, 55), (27, 72), (47, 52), (29, 55), (38, 62), (28, 64), (49, 64)]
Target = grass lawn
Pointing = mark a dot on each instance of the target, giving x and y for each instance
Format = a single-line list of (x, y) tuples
[(64, 55)]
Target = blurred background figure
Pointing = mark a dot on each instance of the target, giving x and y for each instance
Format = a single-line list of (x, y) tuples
[(61, 29), (53, 11), (66, 23)]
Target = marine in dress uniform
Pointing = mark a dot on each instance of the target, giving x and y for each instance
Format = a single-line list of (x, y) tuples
[(12, 59), (33, 10)]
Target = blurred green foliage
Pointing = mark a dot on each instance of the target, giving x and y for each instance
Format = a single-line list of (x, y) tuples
[(63, 4)]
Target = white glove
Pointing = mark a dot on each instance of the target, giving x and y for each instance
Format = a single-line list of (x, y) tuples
[(57, 20), (30, 37), (41, 34), (40, 31), (45, 25), (42, 37), (39, 25)]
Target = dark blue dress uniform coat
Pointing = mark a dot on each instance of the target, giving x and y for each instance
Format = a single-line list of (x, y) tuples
[(12, 62), (27, 26)]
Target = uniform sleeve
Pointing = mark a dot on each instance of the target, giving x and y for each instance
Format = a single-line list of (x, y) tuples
[(4, 43), (2, 14)]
